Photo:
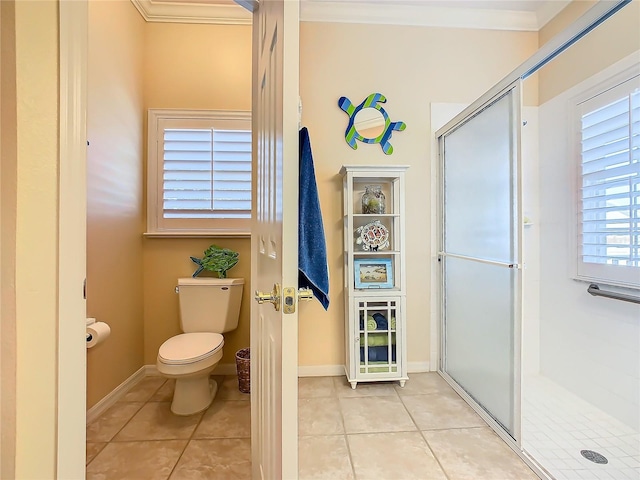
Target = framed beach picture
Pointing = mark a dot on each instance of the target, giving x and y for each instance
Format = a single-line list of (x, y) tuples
[(373, 272)]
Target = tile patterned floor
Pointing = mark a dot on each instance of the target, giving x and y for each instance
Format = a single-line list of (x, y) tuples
[(140, 439), (380, 431), (557, 425)]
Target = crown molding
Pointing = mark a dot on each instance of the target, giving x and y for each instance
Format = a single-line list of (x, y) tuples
[(169, 12), (366, 11), (416, 15)]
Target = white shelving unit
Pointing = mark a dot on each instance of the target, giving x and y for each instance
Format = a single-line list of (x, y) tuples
[(375, 278)]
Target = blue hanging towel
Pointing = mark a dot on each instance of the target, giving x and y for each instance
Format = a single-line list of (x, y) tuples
[(313, 271)]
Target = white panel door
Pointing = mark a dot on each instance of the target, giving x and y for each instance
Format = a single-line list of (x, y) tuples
[(274, 240)]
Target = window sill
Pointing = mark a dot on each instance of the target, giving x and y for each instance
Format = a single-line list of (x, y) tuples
[(608, 283), (197, 234)]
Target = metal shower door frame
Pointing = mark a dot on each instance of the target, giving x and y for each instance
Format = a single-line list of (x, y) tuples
[(515, 88)]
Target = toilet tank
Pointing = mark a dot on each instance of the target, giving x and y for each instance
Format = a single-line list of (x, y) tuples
[(209, 304)]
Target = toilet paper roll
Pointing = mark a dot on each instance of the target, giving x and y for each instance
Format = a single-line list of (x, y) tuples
[(97, 333)]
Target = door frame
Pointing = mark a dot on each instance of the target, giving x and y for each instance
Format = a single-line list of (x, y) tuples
[(72, 351)]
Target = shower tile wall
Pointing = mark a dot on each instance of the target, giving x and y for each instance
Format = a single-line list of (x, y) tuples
[(589, 345), (581, 360), (557, 425), (531, 242)]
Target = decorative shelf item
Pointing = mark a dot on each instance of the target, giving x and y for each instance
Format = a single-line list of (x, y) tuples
[(373, 200), (374, 274), (369, 122), (373, 236)]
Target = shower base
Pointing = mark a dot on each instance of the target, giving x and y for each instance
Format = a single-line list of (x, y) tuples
[(557, 425)]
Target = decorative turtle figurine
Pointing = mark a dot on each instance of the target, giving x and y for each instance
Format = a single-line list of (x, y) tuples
[(217, 260), (373, 236)]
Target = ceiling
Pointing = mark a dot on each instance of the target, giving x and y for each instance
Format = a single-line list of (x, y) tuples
[(529, 15)]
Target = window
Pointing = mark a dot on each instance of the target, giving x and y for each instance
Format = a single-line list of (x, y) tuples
[(609, 214), (199, 172)]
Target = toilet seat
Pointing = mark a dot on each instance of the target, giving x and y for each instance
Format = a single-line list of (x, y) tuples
[(189, 348)]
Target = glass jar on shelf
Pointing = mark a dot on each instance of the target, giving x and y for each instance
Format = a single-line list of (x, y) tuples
[(373, 200)]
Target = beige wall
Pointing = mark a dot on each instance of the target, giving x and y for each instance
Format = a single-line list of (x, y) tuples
[(593, 52), (115, 193), (8, 205), (564, 18), (134, 66), (36, 237), (200, 67), (197, 66), (412, 67)]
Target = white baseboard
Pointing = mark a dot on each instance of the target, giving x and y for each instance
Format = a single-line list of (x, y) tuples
[(116, 394), (418, 367), (151, 371), (338, 370)]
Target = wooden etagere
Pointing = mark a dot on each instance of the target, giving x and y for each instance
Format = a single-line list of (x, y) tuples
[(374, 275)]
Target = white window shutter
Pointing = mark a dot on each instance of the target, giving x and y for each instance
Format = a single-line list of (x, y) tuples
[(187, 172), (232, 172), (207, 173), (610, 186), (199, 173)]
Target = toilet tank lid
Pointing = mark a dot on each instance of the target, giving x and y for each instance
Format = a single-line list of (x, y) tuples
[(210, 281)]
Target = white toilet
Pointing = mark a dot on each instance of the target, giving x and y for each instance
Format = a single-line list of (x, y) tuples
[(208, 308)]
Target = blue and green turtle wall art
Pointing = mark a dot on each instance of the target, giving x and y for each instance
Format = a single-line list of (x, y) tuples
[(352, 134)]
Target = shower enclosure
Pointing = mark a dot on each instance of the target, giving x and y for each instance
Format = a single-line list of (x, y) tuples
[(540, 251), (481, 281)]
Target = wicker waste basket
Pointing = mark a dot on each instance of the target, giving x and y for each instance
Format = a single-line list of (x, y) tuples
[(243, 365)]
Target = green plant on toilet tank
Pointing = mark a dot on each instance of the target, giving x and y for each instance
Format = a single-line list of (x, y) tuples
[(217, 260)]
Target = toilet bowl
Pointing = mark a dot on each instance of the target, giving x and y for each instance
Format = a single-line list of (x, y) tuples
[(190, 358), (208, 308)]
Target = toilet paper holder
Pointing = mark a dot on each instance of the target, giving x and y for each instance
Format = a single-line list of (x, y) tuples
[(97, 332)]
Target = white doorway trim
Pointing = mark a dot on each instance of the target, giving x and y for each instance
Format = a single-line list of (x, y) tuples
[(72, 354)]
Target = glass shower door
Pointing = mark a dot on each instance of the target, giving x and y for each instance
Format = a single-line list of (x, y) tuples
[(480, 256)]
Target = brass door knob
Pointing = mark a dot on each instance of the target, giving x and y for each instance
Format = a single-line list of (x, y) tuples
[(272, 297)]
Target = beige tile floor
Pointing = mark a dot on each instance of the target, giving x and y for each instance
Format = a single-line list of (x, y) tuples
[(378, 431), (140, 439)]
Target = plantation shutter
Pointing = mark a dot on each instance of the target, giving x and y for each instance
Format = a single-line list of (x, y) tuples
[(206, 173), (199, 173), (610, 183)]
